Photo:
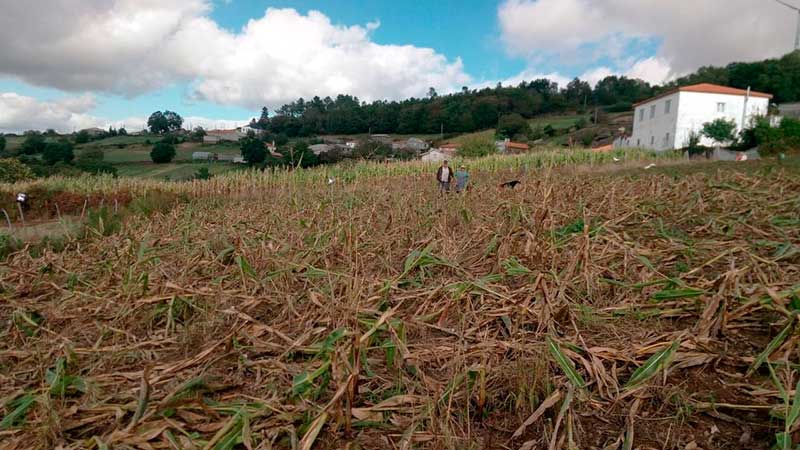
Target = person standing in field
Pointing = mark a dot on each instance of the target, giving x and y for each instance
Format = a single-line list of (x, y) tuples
[(462, 178), (444, 176)]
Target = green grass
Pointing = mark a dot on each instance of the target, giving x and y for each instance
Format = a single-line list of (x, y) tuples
[(141, 153), (173, 171), (557, 122), (116, 140)]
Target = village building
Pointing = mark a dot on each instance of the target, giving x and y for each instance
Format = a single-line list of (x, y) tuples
[(508, 146), (667, 121)]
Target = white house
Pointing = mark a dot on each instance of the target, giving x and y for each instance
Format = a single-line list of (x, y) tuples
[(667, 121)]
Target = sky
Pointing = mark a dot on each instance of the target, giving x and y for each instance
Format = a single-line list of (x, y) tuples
[(73, 64)]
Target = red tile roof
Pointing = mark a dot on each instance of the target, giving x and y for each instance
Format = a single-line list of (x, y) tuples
[(707, 88), (517, 145)]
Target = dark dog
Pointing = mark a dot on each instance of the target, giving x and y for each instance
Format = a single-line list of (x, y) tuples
[(510, 184)]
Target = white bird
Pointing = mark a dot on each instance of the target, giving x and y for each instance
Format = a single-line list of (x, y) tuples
[(331, 180), (649, 166), (616, 159)]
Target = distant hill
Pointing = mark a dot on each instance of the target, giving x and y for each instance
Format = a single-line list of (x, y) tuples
[(472, 110)]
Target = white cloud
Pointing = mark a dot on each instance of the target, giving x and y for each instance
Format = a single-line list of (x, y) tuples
[(687, 33), (19, 113), (134, 46)]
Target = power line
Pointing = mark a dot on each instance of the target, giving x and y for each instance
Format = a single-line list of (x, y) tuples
[(797, 34)]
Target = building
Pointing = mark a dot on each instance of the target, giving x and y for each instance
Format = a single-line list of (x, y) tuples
[(94, 132), (789, 110), (216, 136), (204, 156), (249, 129), (507, 146), (667, 121)]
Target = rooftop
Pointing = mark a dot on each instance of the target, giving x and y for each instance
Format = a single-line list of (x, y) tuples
[(707, 88)]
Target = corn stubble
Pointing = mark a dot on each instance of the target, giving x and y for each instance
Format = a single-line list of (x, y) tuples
[(584, 310)]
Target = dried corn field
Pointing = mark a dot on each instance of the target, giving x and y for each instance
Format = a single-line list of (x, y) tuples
[(585, 309)]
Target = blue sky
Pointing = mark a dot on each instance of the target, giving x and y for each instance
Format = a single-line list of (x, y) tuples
[(217, 62)]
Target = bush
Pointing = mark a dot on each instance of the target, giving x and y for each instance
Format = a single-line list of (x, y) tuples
[(34, 143), (581, 123), (96, 166), (477, 147), (162, 152), (201, 174), (772, 141), (253, 150), (2, 144), (11, 171), (720, 130), (82, 137), (55, 152), (512, 124), (586, 137)]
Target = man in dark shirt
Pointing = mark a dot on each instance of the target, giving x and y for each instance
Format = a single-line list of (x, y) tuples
[(444, 176)]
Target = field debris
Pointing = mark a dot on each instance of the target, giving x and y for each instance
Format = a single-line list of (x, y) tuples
[(609, 309)]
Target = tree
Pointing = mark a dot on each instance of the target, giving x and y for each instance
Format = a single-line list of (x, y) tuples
[(11, 171), (82, 137), (253, 150), (122, 132), (165, 122), (162, 152), (2, 144), (197, 134), (60, 151), (34, 143), (511, 125), (720, 130)]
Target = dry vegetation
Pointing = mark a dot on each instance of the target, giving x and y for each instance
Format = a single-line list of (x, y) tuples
[(620, 310)]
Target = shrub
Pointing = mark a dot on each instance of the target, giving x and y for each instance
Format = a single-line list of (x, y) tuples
[(82, 137), (253, 150), (201, 174), (34, 143), (11, 171), (2, 144), (512, 124), (581, 123), (162, 152), (549, 131), (720, 130), (55, 152), (477, 147), (772, 141), (586, 137)]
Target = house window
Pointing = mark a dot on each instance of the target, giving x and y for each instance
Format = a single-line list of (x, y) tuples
[(720, 107), (652, 111), (641, 115), (667, 106), (666, 140), (638, 142), (652, 140)]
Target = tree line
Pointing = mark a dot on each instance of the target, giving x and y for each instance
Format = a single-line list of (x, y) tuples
[(476, 109)]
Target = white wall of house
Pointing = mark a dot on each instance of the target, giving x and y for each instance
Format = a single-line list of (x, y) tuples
[(654, 123), (698, 108), (666, 123)]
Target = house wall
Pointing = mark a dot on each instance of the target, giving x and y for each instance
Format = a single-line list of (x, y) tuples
[(697, 108), (657, 132)]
